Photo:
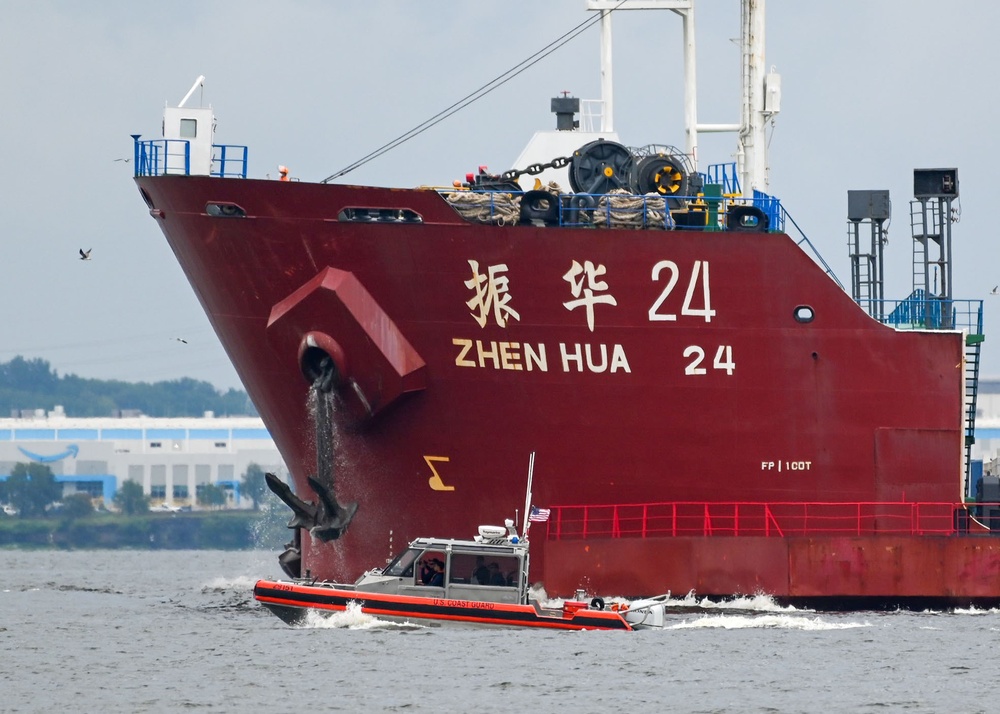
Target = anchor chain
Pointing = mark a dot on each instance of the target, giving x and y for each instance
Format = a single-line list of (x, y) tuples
[(535, 169)]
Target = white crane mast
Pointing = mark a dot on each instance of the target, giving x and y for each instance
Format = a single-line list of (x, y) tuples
[(760, 91)]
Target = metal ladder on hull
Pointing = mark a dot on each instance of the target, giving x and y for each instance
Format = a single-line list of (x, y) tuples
[(973, 344), (930, 223)]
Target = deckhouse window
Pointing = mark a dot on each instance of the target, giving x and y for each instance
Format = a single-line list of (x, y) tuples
[(484, 569), (189, 128)]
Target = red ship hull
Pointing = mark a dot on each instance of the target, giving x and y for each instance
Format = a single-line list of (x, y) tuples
[(823, 572), (702, 379)]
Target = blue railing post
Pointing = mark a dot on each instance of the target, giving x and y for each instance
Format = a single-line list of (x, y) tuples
[(135, 154), (920, 312), (223, 160)]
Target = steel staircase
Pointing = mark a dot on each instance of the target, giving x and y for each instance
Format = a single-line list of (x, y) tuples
[(973, 344)]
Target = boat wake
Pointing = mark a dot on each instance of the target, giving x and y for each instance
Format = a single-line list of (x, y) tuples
[(80, 589), (351, 619), (764, 622), (690, 603), (975, 611), (743, 603), (242, 583)]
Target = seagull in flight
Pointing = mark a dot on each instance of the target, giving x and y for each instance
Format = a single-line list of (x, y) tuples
[(181, 339), (85, 255), (995, 289)]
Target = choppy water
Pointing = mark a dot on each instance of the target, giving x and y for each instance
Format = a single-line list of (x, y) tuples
[(129, 631)]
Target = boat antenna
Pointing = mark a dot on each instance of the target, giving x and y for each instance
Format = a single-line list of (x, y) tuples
[(527, 497), (478, 94)]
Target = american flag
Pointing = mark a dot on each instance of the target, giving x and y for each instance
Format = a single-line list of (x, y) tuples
[(539, 515)]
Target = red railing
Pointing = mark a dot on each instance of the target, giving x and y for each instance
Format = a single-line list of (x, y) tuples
[(646, 520)]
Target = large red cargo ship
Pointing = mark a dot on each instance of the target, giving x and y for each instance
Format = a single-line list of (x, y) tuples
[(710, 410)]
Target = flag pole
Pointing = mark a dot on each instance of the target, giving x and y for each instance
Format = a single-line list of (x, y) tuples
[(527, 497)]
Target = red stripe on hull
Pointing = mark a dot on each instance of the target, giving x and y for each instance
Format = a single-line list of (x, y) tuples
[(304, 597)]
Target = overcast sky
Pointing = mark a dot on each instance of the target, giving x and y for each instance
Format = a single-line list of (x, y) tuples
[(871, 90)]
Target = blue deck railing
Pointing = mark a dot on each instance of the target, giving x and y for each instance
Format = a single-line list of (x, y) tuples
[(229, 161), (724, 175), (918, 312), (159, 157), (771, 207)]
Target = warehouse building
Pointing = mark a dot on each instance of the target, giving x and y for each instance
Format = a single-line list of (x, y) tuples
[(173, 458)]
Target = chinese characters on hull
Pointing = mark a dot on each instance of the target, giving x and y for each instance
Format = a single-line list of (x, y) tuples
[(490, 294), (585, 288), (492, 299)]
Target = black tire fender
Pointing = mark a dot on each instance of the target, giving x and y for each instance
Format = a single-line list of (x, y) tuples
[(748, 219), (541, 206)]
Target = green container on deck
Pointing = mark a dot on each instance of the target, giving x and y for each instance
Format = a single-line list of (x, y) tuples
[(713, 199)]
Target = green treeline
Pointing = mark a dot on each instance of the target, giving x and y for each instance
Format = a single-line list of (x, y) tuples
[(220, 530), (33, 384)]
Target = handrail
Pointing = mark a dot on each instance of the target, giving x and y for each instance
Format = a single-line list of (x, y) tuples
[(159, 157), (229, 161), (920, 312), (815, 252), (768, 519), (724, 175)]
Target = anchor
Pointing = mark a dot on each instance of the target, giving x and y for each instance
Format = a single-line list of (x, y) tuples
[(327, 519)]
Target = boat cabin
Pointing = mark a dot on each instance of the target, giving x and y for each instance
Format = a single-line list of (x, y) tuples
[(491, 568)]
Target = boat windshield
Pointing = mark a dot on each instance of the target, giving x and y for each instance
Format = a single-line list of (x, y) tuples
[(403, 564)]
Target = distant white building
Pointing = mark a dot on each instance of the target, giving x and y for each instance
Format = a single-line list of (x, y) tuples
[(171, 457), (987, 446)]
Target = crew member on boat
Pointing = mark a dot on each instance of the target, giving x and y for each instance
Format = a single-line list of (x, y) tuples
[(481, 575)]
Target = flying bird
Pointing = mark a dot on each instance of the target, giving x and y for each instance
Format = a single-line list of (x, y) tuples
[(995, 289), (85, 255), (181, 339)]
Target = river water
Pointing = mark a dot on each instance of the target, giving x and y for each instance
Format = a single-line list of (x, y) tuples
[(131, 631)]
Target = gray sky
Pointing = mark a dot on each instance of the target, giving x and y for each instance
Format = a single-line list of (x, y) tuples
[(870, 91)]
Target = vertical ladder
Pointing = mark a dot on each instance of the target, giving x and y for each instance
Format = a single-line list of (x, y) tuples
[(973, 343), (870, 209), (862, 264), (931, 221), (925, 226), (919, 258)]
